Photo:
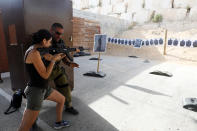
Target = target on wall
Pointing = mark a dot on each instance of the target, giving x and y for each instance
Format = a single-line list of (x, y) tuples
[(170, 42), (147, 43), (156, 42), (143, 42), (188, 43), (151, 42), (115, 41), (138, 43), (175, 42), (122, 42), (195, 43), (109, 39), (182, 43), (160, 41), (133, 42)]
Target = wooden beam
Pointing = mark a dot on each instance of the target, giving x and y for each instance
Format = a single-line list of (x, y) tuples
[(165, 44), (3, 48)]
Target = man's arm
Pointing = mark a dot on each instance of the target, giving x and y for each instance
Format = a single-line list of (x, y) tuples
[(69, 63), (65, 60)]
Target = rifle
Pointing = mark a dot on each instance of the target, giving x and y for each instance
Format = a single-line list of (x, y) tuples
[(81, 48), (53, 51)]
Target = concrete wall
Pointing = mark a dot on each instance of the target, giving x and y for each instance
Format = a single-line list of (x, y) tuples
[(133, 10), (109, 25), (116, 17)]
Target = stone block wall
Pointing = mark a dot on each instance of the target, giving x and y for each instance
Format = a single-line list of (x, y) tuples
[(84, 31)]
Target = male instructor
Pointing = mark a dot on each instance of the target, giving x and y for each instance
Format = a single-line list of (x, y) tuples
[(58, 74)]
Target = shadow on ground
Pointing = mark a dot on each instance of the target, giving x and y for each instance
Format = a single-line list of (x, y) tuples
[(87, 120)]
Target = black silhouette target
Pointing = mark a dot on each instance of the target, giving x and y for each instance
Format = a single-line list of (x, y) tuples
[(195, 43), (147, 43), (116, 41), (170, 42), (160, 41), (156, 42), (109, 39), (188, 43), (151, 42), (182, 43), (175, 42)]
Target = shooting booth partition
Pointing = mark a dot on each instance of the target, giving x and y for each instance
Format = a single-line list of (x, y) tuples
[(18, 20), (3, 49)]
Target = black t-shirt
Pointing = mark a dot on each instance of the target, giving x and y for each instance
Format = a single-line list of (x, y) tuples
[(59, 44), (34, 77)]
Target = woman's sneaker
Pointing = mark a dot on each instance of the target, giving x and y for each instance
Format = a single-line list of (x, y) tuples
[(61, 124)]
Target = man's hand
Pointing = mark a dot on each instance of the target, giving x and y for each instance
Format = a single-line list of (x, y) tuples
[(77, 50), (74, 65)]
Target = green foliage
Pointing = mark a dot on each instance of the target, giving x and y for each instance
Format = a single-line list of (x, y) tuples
[(157, 18), (132, 25)]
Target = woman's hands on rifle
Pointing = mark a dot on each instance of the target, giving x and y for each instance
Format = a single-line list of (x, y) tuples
[(56, 57), (60, 56)]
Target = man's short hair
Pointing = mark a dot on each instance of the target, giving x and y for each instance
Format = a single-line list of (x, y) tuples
[(56, 25)]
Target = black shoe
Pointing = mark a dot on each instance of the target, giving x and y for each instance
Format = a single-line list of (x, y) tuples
[(34, 126), (71, 110)]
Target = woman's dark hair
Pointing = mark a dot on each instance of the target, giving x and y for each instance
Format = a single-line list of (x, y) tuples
[(40, 35)]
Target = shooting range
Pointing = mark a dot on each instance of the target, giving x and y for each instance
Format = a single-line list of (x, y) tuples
[(137, 62)]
